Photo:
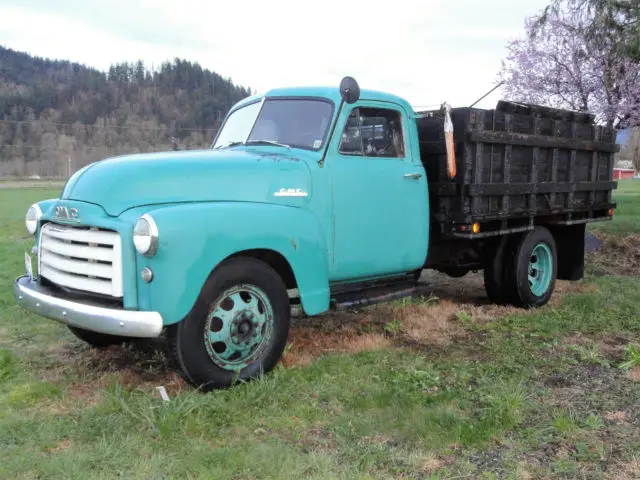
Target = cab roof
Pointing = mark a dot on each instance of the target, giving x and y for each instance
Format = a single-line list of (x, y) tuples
[(331, 93)]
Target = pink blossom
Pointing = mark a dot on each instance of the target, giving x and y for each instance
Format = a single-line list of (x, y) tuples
[(560, 65)]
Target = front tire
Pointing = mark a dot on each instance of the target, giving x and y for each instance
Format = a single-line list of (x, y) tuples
[(238, 327), (531, 269)]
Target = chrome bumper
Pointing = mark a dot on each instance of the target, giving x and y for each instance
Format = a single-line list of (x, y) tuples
[(126, 323)]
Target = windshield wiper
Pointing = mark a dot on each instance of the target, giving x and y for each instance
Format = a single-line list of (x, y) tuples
[(266, 142), (230, 144)]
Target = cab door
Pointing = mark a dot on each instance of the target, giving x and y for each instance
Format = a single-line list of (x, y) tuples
[(379, 193)]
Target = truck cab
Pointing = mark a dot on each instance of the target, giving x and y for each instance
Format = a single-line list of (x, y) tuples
[(320, 191), (361, 158)]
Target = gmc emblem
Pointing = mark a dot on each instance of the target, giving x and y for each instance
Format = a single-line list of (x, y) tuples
[(65, 213)]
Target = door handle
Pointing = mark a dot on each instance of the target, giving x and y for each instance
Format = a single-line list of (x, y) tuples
[(413, 176)]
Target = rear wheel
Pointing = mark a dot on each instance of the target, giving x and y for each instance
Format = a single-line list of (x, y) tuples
[(238, 328), (531, 269), (96, 339)]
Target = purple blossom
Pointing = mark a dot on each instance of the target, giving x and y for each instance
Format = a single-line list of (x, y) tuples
[(560, 65)]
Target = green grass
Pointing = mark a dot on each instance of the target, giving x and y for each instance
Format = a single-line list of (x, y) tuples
[(627, 214), (531, 393)]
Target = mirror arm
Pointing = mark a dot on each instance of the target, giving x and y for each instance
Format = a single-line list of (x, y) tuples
[(330, 137), (350, 93)]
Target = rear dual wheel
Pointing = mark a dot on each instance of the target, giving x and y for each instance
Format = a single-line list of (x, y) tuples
[(524, 269)]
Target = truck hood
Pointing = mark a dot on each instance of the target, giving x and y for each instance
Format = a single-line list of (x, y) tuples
[(121, 183)]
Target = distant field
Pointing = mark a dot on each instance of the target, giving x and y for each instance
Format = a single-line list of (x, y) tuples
[(441, 386), (6, 184)]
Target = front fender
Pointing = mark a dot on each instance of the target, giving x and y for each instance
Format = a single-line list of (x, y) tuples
[(195, 238)]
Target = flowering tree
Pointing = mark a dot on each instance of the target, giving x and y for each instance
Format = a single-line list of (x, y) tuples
[(562, 64)]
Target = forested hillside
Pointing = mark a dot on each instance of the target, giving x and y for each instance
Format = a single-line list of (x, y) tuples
[(56, 115)]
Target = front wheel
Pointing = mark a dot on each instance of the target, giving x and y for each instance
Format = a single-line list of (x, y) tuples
[(531, 269), (238, 327)]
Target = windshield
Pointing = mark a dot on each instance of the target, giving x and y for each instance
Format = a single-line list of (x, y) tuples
[(301, 123)]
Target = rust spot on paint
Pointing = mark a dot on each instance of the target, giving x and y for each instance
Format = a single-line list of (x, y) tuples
[(277, 157), (294, 244)]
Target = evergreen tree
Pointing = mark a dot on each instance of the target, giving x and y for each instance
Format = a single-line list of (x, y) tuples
[(51, 110)]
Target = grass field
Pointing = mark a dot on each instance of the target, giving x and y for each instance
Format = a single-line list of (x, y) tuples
[(627, 215), (445, 386)]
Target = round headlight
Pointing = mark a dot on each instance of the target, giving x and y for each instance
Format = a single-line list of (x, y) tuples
[(33, 217), (145, 236)]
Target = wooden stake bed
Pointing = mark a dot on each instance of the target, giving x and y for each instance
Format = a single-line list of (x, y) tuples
[(517, 165)]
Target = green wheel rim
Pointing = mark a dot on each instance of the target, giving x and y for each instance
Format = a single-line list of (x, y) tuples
[(540, 269), (239, 327)]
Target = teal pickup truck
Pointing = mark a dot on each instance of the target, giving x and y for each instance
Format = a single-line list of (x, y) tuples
[(315, 197)]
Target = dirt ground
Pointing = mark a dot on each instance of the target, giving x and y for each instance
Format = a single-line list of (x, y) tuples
[(619, 255)]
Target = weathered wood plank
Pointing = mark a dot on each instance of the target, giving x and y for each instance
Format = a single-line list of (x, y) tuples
[(536, 188), (506, 164), (535, 160), (526, 140)]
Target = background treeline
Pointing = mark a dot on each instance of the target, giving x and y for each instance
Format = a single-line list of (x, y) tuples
[(56, 115)]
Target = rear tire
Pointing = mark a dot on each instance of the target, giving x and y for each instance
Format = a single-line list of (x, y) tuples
[(238, 328), (96, 339), (531, 268)]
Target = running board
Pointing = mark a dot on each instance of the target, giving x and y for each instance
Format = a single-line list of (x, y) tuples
[(376, 294)]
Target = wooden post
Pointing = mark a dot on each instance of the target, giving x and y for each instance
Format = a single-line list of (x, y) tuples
[(554, 165), (593, 167), (533, 171), (572, 167), (506, 165)]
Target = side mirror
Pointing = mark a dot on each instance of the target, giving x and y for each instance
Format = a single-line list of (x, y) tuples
[(349, 90)]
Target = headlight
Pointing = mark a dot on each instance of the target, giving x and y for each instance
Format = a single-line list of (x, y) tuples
[(33, 216), (145, 236)]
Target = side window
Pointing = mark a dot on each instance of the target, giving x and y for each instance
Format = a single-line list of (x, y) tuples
[(373, 132)]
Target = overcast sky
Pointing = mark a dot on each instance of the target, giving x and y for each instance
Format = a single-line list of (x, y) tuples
[(427, 51)]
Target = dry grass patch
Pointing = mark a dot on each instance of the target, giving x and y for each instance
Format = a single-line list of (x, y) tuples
[(435, 319), (625, 470), (141, 365), (522, 471), (618, 255), (319, 439), (431, 464), (307, 344), (617, 417), (634, 374), (425, 322), (63, 445)]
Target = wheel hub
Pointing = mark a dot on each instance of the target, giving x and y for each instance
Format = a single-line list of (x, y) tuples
[(540, 269), (238, 327), (244, 328)]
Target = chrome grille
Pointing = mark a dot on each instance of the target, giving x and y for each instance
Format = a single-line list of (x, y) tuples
[(81, 258)]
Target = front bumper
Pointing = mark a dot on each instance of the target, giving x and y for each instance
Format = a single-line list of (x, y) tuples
[(125, 323)]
